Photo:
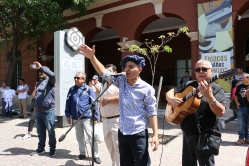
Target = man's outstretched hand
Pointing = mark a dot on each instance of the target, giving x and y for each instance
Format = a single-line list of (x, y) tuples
[(87, 51)]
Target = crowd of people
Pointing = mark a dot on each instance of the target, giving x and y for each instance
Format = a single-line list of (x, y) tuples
[(124, 108)]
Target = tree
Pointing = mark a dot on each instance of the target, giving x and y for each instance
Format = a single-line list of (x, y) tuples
[(22, 20), (153, 50)]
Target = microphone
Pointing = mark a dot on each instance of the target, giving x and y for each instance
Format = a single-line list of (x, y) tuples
[(118, 74)]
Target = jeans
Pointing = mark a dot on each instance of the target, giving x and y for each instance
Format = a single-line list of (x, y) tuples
[(4, 110), (243, 117), (46, 120)]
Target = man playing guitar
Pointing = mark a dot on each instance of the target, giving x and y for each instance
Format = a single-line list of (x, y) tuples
[(212, 105)]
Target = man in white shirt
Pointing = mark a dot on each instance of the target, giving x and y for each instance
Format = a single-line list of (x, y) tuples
[(3, 89), (109, 110), (22, 91)]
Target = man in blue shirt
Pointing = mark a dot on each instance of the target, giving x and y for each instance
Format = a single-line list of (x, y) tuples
[(136, 100), (79, 97), (45, 110)]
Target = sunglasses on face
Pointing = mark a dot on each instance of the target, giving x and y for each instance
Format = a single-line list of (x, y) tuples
[(77, 78), (199, 69)]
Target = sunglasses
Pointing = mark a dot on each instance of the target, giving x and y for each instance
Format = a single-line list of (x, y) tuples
[(77, 78), (199, 69)]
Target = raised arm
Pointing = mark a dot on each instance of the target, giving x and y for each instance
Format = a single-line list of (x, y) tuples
[(49, 73), (90, 54)]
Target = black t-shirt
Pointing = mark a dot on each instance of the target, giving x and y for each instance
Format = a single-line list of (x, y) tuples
[(240, 90), (207, 117)]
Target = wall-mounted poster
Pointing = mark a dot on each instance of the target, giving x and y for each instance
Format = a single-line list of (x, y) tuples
[(216, 34)]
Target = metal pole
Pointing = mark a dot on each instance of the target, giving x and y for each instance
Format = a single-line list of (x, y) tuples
[(158, 91)]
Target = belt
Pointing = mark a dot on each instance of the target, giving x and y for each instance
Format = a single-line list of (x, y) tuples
[(110, 117)]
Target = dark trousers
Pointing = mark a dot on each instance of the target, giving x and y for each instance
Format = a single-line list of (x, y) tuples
[(46, 120), (31, 121), (190, 153), (134, 149), (4, 110), (233, 117)]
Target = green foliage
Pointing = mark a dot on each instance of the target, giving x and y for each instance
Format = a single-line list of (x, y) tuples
[(153, 50), (28, 19), (167, 49)]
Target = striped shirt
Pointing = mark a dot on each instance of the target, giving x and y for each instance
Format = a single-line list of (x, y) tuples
[(135, 103)]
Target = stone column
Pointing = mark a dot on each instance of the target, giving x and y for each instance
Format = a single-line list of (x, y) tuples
[(194, 38)]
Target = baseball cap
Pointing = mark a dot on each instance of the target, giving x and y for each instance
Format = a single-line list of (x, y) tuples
[(95, 77)]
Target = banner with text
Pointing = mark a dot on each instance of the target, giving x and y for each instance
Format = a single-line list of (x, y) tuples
[(220, 61), (216, 34)]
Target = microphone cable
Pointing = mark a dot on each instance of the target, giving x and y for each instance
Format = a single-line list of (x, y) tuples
[(162, 141)]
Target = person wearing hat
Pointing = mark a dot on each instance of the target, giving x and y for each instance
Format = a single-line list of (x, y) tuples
[(136, 101), (96, 85), (186, 78)]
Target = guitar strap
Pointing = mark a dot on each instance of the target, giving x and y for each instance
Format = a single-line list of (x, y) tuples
[(197, 112), (188, 82)]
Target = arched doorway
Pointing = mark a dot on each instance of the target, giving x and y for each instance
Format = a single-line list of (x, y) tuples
[(106, 49), (171, 66)]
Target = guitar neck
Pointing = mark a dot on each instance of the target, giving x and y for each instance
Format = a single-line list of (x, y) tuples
[(194, 92)]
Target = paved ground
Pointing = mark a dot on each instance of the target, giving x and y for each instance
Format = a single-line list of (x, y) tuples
[(15, 151)]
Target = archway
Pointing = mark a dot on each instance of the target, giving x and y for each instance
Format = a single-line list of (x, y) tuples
[(169, 65), (105, 42)]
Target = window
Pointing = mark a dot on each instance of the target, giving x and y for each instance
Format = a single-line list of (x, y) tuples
[(181, 66)]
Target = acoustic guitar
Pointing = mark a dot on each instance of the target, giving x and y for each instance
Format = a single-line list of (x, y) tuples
[(191, 100)]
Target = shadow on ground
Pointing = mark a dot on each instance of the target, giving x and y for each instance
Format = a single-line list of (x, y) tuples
[(72, 163), (229, 143), (61, 154), (21, 135)]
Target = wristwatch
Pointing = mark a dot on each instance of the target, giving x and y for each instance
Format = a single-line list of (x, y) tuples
[(106, 101), (212, 102)]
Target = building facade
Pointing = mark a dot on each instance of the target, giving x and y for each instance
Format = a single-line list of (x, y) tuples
[(111, 23)]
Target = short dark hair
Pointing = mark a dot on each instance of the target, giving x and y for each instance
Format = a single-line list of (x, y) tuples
[(187, 71), (22, 79), (234, 82), (114, 68), (240, 68)]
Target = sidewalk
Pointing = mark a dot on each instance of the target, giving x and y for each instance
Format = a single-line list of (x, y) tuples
[(15, 151)]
